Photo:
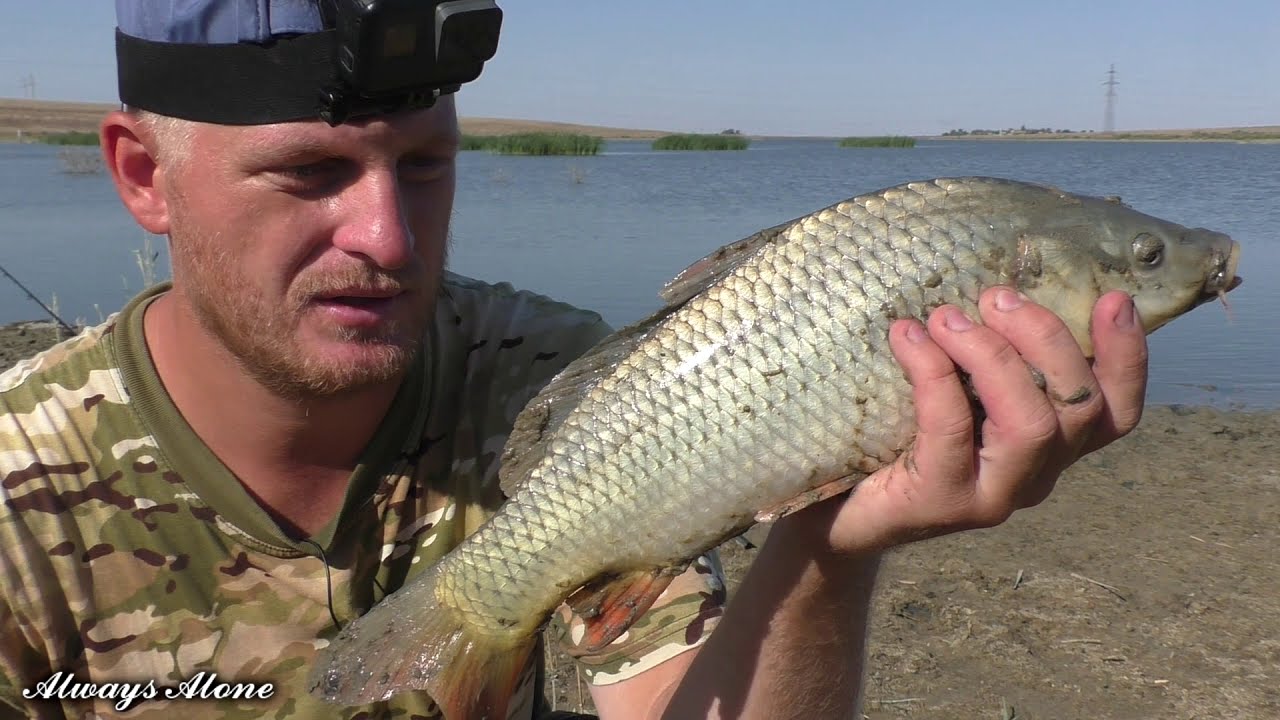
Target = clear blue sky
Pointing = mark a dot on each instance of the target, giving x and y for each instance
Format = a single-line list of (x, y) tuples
[(828, 67)]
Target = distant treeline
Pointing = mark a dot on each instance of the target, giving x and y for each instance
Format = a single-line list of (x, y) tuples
[(1024, 130), (70, 138), (724, 141), (891, 141), (534, 144)]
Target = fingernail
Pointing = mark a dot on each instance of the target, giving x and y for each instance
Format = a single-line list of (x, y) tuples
[(1127, 317), (1007, 300), (916, 333), (958, 321)]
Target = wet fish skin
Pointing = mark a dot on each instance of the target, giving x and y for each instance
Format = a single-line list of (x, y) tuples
[(767, 374)]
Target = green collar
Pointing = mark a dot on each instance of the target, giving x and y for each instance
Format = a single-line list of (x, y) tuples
[(215, 484)]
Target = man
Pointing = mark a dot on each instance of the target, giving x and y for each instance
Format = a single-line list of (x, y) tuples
[(240, 462)]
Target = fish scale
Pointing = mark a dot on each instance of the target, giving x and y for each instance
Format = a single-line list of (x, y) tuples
[(767, 375)]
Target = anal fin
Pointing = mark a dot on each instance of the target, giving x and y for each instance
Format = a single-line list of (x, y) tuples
[(610, 604)]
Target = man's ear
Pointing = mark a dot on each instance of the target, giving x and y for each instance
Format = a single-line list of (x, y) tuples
[(128, 150)]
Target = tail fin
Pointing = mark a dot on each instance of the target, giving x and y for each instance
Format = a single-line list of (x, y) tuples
[(410, 641)]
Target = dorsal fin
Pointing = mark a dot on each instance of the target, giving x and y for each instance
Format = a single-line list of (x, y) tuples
[(720, 262), (537, 423), (540, 418)]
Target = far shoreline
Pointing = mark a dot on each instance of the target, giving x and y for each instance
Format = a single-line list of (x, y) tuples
[(1259, 134), (20, 118)]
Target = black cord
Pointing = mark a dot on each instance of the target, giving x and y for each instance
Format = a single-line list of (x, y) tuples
[(328, 582)]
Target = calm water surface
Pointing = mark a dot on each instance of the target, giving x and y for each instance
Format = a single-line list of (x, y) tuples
[(606, 232)]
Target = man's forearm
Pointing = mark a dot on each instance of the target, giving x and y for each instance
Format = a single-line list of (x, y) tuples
[(792, 642)]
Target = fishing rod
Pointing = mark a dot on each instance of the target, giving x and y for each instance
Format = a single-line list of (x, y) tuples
[(52, 314)]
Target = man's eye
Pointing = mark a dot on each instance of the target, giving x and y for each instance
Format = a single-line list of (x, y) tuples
[(312, 171), (423, 168)]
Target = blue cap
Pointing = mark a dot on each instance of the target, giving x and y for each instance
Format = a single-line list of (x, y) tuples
[(217, 21)]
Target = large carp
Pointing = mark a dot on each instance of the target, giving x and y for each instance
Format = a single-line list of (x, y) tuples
[(766, 376)]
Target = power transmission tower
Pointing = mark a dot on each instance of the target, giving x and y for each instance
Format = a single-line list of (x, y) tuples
[(29, 86), (1109, 123)]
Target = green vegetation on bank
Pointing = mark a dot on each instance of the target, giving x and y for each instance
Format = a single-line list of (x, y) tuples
[(701, 142), (70, 138), (534, 144), (1237, 135), (895, 141)]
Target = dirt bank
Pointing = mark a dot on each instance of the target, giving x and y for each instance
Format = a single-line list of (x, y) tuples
[(24, 339), (1148, 586)]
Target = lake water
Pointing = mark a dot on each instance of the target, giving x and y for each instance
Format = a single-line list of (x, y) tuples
[(606, 232)]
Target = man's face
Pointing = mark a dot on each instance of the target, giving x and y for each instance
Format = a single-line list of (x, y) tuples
[(313, 253)]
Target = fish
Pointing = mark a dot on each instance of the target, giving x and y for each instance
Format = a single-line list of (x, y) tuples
[(763, 384)]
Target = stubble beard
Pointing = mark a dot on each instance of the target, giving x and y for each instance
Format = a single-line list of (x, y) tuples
[(265, 341)]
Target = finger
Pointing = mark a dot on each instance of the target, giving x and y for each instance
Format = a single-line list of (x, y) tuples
[(940, 460), (1021, 422), (944, 418), (1045, 342), (1120, 365)]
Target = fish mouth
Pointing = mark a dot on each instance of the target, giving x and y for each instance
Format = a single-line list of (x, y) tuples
[(1222, 279)]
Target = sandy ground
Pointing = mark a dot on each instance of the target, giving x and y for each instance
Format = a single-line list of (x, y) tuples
[(24, 339), (1147, 586), (43, 116)]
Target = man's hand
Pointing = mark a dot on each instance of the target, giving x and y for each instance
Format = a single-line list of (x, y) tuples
[(947, 481), (795, 631)]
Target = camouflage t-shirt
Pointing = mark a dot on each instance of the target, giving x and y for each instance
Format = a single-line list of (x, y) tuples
[(131, 554)]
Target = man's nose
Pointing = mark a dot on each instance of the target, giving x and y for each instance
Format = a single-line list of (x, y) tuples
[(375, 223)]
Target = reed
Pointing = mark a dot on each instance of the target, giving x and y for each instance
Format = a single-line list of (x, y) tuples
[(534, 144), (73, 137), (80, 161), (894, 141), (701, 142)]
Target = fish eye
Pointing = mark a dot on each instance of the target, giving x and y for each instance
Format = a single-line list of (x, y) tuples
[(1148, 249)]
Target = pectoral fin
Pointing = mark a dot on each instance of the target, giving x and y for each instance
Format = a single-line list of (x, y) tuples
[(809, 497)]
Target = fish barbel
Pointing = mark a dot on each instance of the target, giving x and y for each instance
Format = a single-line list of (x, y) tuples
[(766, 376)]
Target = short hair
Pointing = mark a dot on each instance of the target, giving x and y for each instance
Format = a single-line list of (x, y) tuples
[(173, 135)]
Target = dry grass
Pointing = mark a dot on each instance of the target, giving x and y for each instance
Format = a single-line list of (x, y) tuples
[(46, 116), (499, 126)]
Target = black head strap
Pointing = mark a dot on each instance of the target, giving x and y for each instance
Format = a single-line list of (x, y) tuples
[(228, 84), (288, 78)]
